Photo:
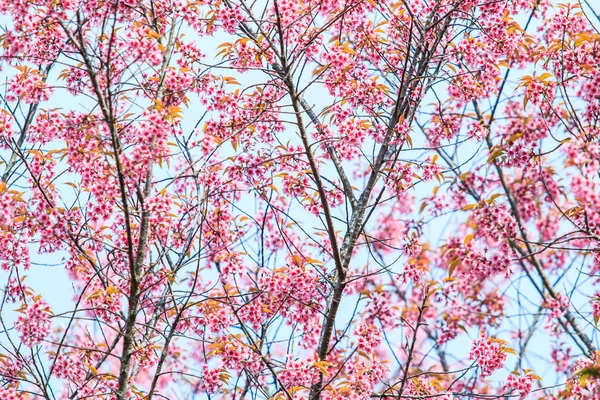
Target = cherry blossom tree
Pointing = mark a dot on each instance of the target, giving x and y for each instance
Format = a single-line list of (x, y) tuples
[(299, 199)]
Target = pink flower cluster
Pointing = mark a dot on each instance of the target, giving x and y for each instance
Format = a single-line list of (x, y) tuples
[(557, 306), (298, 373), (521, 383), (489, 354), (368, 337), (10, 370), (496, 222), (540, 92), (364, 375), (15, 290), (6, 208), (210, 382), (33, 324), (10, 394), (68, 366), (28, 86)]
